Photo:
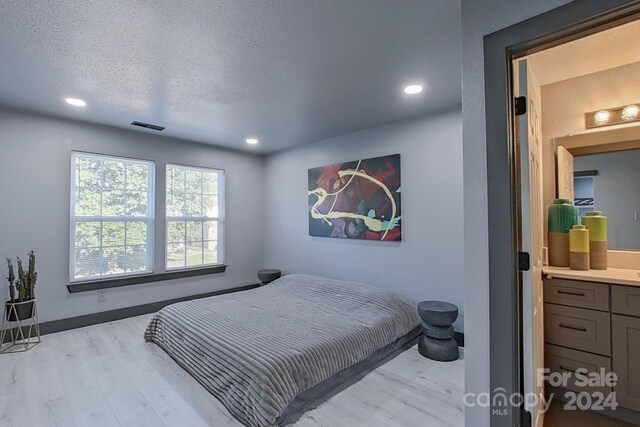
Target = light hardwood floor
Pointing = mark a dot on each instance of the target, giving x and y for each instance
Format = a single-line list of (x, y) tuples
[(106, 375)]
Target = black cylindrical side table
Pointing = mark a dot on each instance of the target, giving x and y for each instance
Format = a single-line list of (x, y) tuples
[(268, 275), (438, 342)]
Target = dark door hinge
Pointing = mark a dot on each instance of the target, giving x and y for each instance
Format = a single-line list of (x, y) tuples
[(521, 105), (524, 261)]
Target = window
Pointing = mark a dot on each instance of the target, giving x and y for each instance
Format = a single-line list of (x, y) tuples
[(195, 217), (112, 216)]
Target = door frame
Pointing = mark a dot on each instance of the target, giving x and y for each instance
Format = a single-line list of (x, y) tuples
[(572, 21)]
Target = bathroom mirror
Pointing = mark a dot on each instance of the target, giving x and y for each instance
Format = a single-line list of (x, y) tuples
[(610, 182)]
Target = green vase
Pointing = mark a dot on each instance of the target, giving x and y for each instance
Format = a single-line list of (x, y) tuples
[(563, 215)]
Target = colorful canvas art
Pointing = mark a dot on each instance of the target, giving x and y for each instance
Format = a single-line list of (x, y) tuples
[(356, 200)]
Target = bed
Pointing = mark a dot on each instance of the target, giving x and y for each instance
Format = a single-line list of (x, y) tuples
[(269, 353)]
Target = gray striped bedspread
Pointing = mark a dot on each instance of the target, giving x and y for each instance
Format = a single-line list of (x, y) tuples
[(257, 350)]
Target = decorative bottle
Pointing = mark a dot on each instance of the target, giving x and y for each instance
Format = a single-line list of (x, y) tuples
[(563, 215), (579, 248), (596, 223)]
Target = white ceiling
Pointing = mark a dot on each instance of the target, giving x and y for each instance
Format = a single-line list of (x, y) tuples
[(608, 49), (288, 72)]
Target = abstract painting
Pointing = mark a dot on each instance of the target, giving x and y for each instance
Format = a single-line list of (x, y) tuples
[(356, 200)]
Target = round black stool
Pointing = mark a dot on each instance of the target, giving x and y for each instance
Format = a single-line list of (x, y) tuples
[(268, 275), (438, 342)]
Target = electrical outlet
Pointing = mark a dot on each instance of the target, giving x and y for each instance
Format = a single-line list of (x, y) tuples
[(102, 296)]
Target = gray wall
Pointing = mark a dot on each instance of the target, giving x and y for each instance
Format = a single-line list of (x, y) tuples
[(479, 18), (428, 263), (617, 194), (34, 207)]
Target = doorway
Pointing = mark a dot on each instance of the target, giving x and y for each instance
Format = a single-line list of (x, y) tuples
[(508, 262), (567, 158)]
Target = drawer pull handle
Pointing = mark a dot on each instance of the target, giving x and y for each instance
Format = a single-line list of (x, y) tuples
[(575, 328), (567, 369), (578, 294)]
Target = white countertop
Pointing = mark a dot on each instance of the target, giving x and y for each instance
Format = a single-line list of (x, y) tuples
[(621, 276)]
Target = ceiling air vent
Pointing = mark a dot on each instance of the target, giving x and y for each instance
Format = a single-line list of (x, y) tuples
[(147, 125)]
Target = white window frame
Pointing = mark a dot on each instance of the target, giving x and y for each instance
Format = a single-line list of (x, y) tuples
[(220, 219), (150, 219)]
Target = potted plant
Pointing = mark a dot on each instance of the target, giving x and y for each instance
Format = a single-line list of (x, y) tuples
[(21, 290)]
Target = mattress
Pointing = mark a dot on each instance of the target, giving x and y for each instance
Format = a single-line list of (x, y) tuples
[(257, 351)]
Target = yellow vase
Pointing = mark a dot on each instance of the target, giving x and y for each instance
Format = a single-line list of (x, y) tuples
[(596, 223), (579, 248)]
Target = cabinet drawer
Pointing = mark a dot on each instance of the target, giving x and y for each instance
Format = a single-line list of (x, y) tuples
[(577, 294), (578, 328), (562, 360), (625, 300)]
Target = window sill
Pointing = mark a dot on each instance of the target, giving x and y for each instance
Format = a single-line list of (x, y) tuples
[(95, 285)]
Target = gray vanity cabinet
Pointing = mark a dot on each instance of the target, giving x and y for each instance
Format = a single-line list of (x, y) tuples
[(625, 334), (595, 325)]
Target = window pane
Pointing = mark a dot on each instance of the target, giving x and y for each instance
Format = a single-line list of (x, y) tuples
[(210, 230), (136, 233), (193, 204), (210, 183), (113, 261), (137, 177), (175, 231), (193, 181), (175, 255), (87, 263), (175, 179), (194, 231), (210, 252), (194, 253), (113, 175), (210, 206), (87, 202), (136, 258), (111, 190), (137, 203), (175, 203), (113, 234), (88, 173), (113, 203), (88, 234)]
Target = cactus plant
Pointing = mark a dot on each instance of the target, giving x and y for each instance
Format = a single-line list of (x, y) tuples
[(24, 284), (21, 282), (11, 278), (31, 276)]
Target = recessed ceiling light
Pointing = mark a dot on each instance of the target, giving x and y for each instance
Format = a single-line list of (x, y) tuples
[(76, 102), (252, 141), (413, 89)]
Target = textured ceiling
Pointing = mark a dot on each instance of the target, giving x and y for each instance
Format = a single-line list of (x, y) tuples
[(217, 71)]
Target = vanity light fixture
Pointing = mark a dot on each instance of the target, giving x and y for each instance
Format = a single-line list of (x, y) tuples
[(601, 118), (612, 116), (630, 112)]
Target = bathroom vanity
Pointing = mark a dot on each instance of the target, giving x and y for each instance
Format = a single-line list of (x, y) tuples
[(592, 321)]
